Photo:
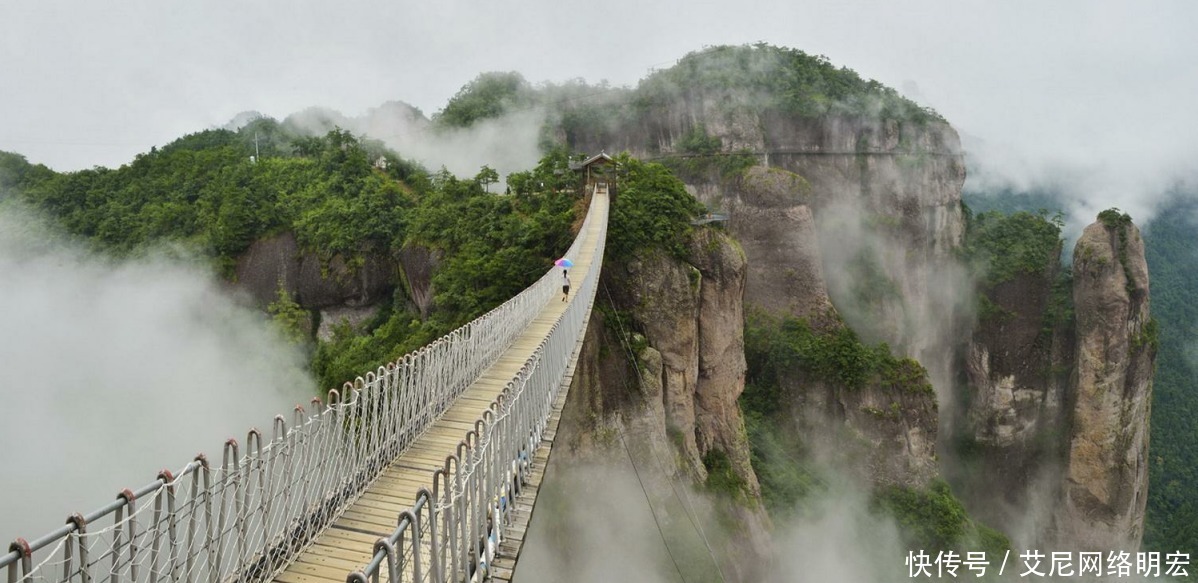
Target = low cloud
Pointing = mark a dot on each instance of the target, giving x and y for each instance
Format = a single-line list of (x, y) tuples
[(111, 370), (509, 143)]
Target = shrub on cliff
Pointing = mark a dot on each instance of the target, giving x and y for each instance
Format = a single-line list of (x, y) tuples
[(651, 211)]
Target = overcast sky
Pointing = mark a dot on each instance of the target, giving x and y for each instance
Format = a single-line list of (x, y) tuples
[(1100, 95)]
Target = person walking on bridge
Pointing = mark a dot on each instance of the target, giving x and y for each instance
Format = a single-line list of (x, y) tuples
[(565, 284)]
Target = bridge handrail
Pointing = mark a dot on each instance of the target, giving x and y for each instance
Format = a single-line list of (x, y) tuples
[(276, 495), (472, 493)]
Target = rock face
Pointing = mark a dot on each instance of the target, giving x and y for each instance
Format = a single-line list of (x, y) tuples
[(1014, 432), (692, 317), (1058, 416), (884, 435), (859, 220), (883, 196), (669, 396), (278, 262), (416, 267), (1106, 473), (770, 216)]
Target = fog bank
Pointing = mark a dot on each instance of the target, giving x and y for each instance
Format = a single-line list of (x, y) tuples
[(113, 370)]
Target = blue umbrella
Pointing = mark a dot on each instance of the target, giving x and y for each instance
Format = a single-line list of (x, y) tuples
[(563, 262)]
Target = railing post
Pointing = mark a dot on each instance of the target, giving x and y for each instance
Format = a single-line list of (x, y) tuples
[(230, 472), (20, 546)]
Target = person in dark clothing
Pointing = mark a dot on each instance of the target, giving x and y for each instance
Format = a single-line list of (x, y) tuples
[(565, 284)]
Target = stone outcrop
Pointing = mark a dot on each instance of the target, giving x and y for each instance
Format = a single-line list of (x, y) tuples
[(659, 376), (692, 316), (884, 197), (883, 434), (770, 216), (1106, 472), (314, 283), (1013, 431), (859, 220), (416, 267), (1058, 412)]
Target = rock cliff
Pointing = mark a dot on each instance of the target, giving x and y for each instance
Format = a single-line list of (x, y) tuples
[(278, 263), (1009, 448), (660, 373), (1055, 440), (844, 218), (1106, 471), (880, 433), (866, 209), (860, 221), (340, 291)]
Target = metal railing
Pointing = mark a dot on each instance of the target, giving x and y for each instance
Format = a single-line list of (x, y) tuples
[(247, 518), (453, 530)]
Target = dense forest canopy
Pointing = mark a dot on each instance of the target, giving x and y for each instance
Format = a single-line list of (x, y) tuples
[(789, 79), (340, 195)]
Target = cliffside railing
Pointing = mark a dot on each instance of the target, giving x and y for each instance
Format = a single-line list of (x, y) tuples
[(245, 518)]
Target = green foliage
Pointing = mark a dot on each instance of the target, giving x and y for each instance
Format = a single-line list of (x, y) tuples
[(551, 175), (783, 470), (701, 158), (697, 141), (291, 319), (488, 96), (795, 82), (1119, 221), (1172, 517), (1114, 218), (934, 519), (491, 248), (17, 173), (486, 177), (1149, 337), (203, 190), (777, 347), (1000, 247), (722, 477), (651, 211), (1008, 201)]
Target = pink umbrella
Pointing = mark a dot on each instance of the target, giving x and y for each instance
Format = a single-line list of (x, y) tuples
[(563, 262)]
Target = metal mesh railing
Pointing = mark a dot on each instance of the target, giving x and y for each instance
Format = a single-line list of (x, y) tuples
[(452, 532), (247, 518)]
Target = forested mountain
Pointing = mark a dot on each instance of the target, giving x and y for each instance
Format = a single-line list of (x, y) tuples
[(346, 200), (843, 327)]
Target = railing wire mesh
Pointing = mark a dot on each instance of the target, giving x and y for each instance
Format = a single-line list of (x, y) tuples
[(247, 517)]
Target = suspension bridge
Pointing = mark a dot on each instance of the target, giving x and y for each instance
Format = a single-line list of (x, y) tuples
[(424, 470)]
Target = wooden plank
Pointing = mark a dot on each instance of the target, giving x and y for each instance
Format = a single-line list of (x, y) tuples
[(302, 573), (377, 530), (360, 556), (291, 577), (346, 539), (321, 560)]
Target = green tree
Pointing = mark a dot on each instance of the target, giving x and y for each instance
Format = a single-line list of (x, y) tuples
[(488, 96), (486, 177)]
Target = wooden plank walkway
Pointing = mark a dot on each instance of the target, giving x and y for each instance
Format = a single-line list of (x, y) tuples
[(513, 534), (347, 544)]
